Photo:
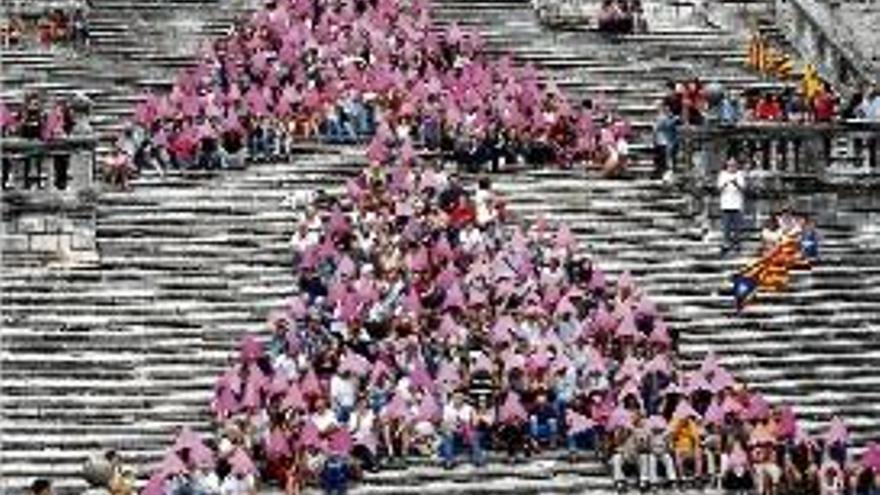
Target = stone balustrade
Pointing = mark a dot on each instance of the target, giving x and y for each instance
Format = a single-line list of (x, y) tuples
[(48, 201), (823, 38), (814, 150), (66, 165)]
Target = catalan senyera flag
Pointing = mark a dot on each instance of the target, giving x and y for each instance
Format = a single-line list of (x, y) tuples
[(772, 271), (756, 54)]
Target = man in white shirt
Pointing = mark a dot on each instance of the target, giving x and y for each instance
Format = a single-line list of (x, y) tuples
[(343, 393), (457, 430), (324, 419), (731, 185)]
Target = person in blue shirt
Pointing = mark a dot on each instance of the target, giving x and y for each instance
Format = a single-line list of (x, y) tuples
[(666, 141)]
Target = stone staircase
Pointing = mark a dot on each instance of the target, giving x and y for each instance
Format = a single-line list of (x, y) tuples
[(117, 354)]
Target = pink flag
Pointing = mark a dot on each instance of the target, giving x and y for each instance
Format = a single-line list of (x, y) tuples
[(577, 422), (564, 238), (660, 335), (428, 409), (172, 465), (296, 307), (871, 457), (512, 410), (597, 279), (837, 432), (278, 445), (355, 363), (251, 348), (155, 485), (684, 410), (714, 414), (380, 370), (310, 385), (293, 399), (625, 282), (722, 379), (758, 408), (421, 378), (241, 463), (620, 418), (448, 375), (787, 423), (309, 436), (565, 308), (340, 442), (454, 297), (396, 408), (627, 327)]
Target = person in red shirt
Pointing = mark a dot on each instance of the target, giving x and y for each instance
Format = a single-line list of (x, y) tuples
[(768, 109), (463, 213), (824, 106)]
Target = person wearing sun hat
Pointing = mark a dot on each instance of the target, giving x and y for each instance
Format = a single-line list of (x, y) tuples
[(686, 439), (659, 452)]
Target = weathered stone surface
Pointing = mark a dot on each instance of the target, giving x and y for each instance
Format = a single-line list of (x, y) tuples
[(44, 242), (31, 224), (16, 243)]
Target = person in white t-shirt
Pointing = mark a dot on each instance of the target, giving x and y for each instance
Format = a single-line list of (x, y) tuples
[(484, 200), (731, 186), (457, 429), (343, 394), (324, 419)]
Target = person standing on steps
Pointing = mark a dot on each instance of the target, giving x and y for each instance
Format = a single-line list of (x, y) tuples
[(731, 186), (665, 142)]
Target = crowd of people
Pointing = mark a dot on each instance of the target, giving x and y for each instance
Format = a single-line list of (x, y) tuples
[(39, 120), (621, 17), (53, 26), (424, 324), (695, 103), (338, 71)]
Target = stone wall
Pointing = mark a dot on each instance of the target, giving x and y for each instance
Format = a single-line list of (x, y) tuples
[(65, 235)]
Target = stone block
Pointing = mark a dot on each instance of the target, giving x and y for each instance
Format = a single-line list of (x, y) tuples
[(44, 242), (15, 243), (57, 223), (64, 242), (83, 239), (31, 224)]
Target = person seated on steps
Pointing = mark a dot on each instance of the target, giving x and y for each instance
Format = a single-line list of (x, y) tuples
[(762, 445), (458, 431), (737, 477), (625, 434), (686, 436), (512, 425), (659, 453), (543, 422)]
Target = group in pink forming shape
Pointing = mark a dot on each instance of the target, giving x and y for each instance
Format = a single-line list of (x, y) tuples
[(424, 322)]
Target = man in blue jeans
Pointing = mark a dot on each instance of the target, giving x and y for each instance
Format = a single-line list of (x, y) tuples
[(544, 421), (731, 186), (458, 431)]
